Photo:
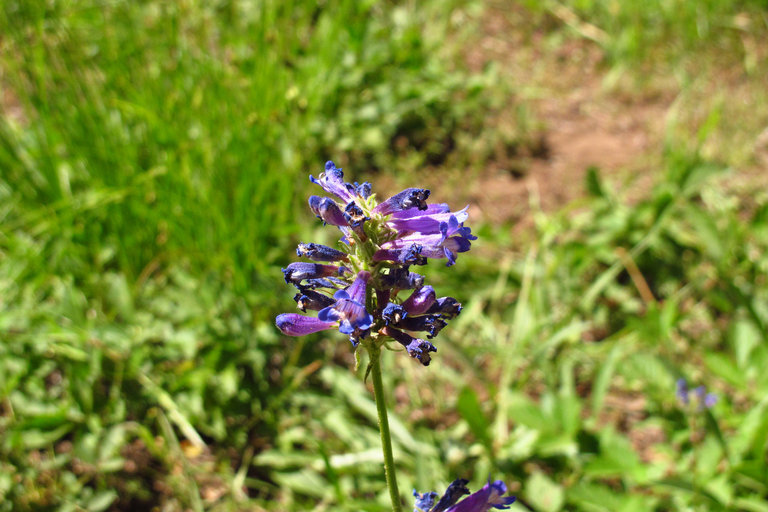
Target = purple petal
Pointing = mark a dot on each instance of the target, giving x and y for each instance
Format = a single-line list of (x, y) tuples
[(294, 324)]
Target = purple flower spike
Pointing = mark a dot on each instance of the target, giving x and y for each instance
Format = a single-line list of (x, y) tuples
[(408, 198), (319, 252), (490, 496), (294, 324), (296, 272), (420, 301), (332, 181), (327, 210), (710, 399)]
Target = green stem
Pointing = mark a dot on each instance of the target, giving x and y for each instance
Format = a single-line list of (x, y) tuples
[(386, 438)]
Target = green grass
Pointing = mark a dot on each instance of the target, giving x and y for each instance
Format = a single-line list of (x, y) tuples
[(153, 162)]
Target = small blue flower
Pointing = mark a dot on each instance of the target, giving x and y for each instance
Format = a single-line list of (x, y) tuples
[(490, 496)]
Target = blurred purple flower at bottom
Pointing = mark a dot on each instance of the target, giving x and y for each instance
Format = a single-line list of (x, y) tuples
[(683, 393), (490, 496)]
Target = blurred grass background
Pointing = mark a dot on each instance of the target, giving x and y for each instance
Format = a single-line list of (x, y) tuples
[(153, 175)]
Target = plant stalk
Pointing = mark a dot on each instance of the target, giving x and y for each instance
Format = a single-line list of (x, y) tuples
[(386, 438)]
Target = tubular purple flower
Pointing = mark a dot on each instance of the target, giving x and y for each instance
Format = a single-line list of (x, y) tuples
[(426, 224), (319, 252), (294, 324), (296, 272), (490, 496), (416, 347), (332, 181), (410, 255), (408, 198), (327, 210), (420, 301), (349, 309), (432, 209), (453, 238)]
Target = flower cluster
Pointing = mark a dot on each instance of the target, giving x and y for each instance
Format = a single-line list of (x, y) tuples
[(705, 400), (490, 496), (355, 287)]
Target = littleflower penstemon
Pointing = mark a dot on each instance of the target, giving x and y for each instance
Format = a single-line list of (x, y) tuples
[(365, 287)]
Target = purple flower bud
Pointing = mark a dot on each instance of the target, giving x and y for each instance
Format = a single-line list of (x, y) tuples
[(410, 255), (408, 198), (310, 299), (447, 307), (420, 301), (402, 279), (296, 272), (327, 210), (432, 324), (416, 347), (318, 252), (294, 324), (453, 493)]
